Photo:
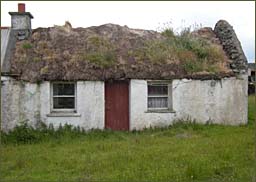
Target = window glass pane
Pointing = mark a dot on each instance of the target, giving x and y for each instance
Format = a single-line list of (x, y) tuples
[(63, 89), (158, 102), (63, 102), (157, 90)]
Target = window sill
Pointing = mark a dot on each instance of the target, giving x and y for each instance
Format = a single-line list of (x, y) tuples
[(160, 111), (63, 114)]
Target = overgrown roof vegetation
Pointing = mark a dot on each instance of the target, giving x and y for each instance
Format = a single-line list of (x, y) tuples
[(193, 53), (113, 52)]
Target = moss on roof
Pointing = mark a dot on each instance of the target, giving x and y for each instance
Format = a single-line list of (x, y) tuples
[(117, 52)]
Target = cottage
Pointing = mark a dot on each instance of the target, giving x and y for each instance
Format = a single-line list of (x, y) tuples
[(115, 77)]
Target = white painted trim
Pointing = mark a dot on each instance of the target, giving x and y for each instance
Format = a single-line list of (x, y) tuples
[(63, 114), (169, 95), (51, 98)]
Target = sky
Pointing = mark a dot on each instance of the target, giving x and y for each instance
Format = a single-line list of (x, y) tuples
[(151, 15)]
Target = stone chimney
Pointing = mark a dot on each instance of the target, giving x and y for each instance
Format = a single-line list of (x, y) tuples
[(21, 22)]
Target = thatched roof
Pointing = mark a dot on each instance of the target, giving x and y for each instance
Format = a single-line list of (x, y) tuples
[(116, 52)]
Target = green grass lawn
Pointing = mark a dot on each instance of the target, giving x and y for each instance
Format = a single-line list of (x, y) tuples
[(192, 152)]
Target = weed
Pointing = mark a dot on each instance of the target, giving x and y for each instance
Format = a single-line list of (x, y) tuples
[(191, 66), (168, 33), (26, 45), (99, 44), (44, 70), (100, 52), (102, 59), (36, 59), (194, 54), (185, 32), (25, 134)]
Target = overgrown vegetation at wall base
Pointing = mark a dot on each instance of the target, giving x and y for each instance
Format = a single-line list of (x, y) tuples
[(25, 134), (183, 152)]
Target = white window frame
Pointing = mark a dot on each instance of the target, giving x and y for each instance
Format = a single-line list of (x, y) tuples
[(75, 96), (169, 95)]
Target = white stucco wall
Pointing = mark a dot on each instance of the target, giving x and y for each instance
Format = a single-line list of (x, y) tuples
[(31, 103), (90, 106), (223, 101), (139, 117), (10, 94)]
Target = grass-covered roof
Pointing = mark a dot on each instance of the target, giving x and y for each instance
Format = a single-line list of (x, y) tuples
[(117, 52)]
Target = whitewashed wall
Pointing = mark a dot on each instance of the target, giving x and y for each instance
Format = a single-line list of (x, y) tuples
[(139, 116), (31, 103), (223, 101), (10, 101)]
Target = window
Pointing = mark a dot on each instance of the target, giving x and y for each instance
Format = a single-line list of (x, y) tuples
[(159, 95), (63, 96)]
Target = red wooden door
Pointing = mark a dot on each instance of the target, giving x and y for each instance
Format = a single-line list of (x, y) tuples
[(117, 105)]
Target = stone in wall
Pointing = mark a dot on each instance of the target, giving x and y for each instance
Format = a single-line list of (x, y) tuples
[(232, 46)]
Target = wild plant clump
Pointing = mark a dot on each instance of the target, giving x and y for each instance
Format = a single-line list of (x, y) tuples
[(26, 45), (100, 52), (25, 134), (193, 53)]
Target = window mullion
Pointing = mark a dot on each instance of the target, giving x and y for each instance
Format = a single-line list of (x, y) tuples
[(157, 96)]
